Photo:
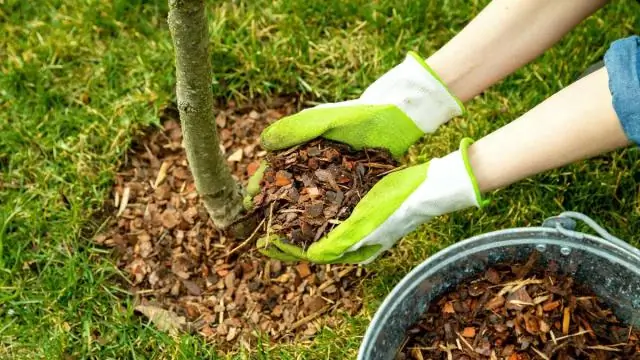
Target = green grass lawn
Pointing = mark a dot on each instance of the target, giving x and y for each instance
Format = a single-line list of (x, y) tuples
[(79, 79)]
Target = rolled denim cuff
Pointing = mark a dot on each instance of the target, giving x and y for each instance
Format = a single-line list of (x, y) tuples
[(622, 61)]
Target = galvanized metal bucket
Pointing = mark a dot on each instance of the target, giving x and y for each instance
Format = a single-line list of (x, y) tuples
[(610, 266)]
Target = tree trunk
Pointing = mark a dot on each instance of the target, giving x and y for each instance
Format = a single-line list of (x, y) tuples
[(221, 195)]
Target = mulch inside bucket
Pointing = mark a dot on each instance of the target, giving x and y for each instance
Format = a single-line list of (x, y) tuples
[(518, 312)]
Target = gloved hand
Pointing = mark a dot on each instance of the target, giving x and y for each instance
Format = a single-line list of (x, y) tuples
[(395, 206), (394, 112)]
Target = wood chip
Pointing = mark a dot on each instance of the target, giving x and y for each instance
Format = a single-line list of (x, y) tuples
[(124, 202), (303, 269), (469, 332), (566, 320), (236, 156), (162, 173)]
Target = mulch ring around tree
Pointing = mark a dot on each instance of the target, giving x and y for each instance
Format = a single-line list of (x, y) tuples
[(185, 275)]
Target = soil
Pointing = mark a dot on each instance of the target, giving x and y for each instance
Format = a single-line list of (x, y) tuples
[(308, 190), (516, 312), (185, 274)]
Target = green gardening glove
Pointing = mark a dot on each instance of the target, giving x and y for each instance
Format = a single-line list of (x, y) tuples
[(394, 112), (395, 206)]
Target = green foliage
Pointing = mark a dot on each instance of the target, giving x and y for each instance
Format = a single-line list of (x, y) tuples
[(79, 79)]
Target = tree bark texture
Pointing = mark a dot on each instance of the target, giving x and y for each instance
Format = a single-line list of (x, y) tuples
[(221, 195)]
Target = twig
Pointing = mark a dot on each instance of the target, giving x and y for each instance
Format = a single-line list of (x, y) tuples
[(269, 222), (542, 355), (329, 282), (401, 167), (517, 282), (379, 166), (404, 343), (309, 317), (514, 286), (417, 354), (255, 231), (603, 347), (448, 349), (520, 302), (464, 341), (290, 150), (572, 335), (427, 348), (541, 299)]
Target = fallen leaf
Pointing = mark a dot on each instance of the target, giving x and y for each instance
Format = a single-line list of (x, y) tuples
[(163, 319)]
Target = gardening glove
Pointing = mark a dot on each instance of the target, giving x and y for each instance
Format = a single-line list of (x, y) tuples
[(393, 113), (395, 206)]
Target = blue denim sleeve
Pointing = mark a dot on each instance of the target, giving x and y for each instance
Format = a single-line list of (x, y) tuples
[(622, 61)]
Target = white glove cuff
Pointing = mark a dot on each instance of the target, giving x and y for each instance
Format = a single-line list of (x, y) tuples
[(448, 187), (417, 92)]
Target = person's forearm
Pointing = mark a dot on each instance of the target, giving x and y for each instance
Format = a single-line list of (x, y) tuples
[(506, 35), (576, 123)]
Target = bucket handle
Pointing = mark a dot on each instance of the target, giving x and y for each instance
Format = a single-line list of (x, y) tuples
[(565, 224)]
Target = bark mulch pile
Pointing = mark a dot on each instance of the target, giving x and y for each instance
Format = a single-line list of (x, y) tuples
[(515, 312), (187, 276), (308, 189)]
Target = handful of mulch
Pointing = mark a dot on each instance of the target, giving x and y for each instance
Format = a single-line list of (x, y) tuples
[(309, 189), (513, 313)]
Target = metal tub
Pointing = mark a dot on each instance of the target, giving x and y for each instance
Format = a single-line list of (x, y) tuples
[(610, 266)]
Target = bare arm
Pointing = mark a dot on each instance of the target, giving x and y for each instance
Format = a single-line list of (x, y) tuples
[(506, 35), (576, 123)]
